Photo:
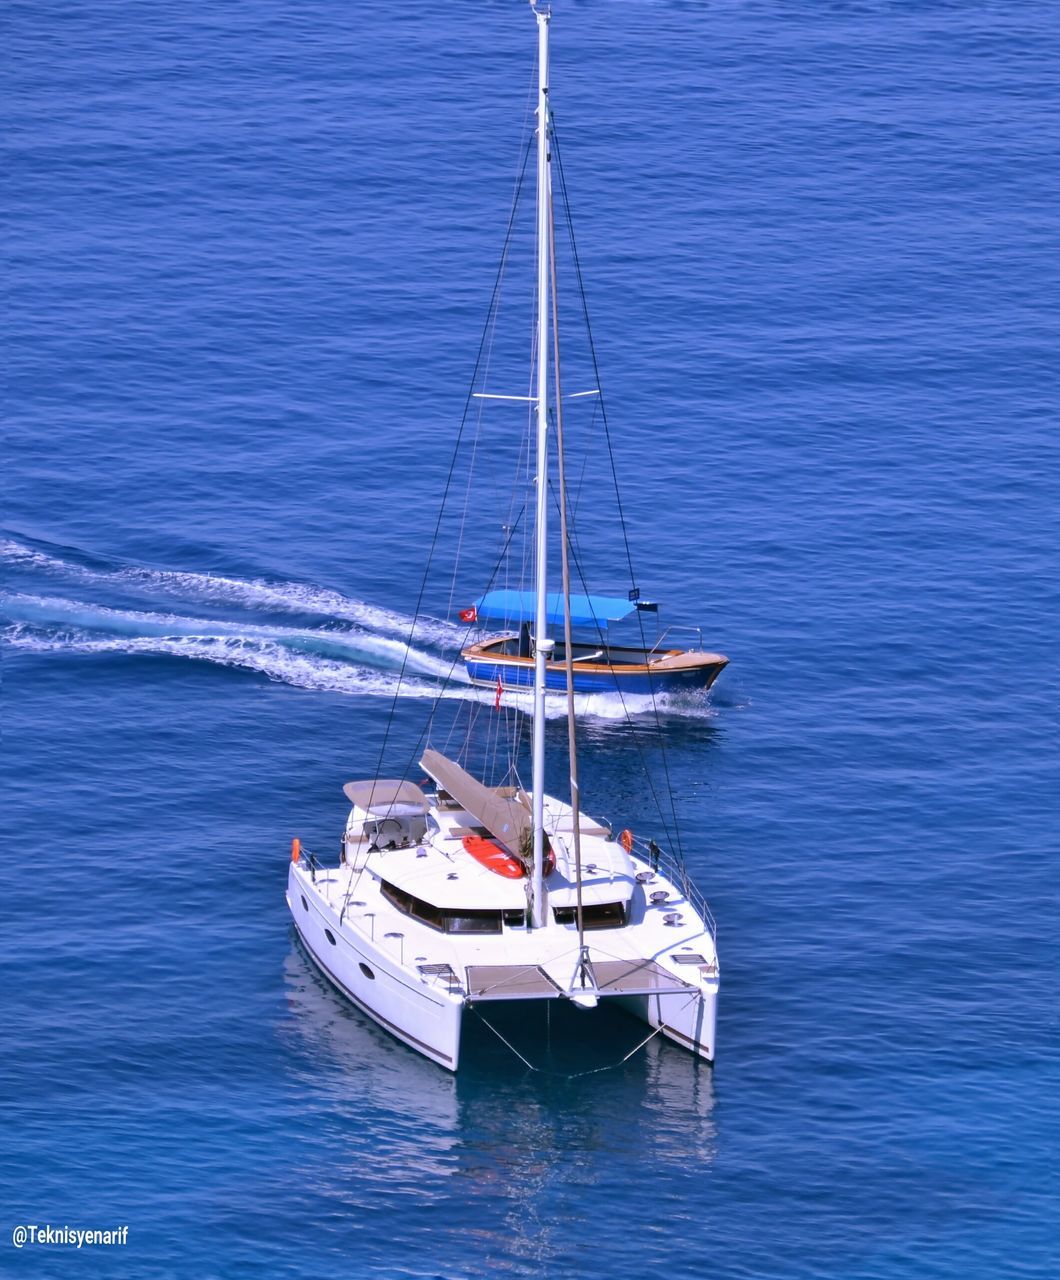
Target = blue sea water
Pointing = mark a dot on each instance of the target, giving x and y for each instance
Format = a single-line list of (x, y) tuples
[(252, 246)]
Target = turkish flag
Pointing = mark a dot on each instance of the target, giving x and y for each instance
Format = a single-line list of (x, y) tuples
[(497, 698), (469, 615)]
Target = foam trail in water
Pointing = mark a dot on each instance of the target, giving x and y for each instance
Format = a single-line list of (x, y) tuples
[(284, 664), (335, 658), (256, 593), (267, 658), (65, 616)]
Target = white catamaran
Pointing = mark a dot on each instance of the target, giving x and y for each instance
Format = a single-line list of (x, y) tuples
[(453, 895)]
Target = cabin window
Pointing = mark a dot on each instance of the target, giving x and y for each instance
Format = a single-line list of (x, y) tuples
[(446, 920), (459, 921), (596, 915), (365, 970), (410, 906), (330, 936)]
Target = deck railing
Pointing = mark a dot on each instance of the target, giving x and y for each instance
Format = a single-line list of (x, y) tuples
[(659, 859), (674, 869), (310, 859), (680, 628)]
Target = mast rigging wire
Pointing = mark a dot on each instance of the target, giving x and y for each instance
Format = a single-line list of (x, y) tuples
[(485, 340), (614, 470), (456, 452)]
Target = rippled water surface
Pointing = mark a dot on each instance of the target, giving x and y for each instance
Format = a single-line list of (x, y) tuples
[(253, 248)]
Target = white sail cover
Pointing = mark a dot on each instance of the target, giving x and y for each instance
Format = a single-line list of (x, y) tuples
[(506, 819)]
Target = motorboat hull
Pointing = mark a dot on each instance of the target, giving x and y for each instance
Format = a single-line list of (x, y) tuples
[(673, 671)]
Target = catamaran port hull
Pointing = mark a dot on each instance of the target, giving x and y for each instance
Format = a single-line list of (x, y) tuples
[(365, 973)]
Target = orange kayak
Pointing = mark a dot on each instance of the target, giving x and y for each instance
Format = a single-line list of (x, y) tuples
[(493, 856)]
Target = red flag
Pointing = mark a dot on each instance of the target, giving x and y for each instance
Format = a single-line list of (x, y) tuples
[(497, 698), (469, 615)]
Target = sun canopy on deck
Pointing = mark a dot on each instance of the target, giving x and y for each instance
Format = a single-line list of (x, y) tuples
[(521, 606), (382, 796)]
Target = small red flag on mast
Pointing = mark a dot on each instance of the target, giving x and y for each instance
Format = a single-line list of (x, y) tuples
[(469, 615), (497, 698)]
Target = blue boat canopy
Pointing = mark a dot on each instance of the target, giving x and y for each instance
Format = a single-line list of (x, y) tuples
[(521, 606)]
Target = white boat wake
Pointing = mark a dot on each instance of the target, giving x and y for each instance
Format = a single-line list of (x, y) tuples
[(250, 593), (355, 649)]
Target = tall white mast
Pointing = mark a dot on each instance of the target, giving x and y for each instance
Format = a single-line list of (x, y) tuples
[(542, 644)]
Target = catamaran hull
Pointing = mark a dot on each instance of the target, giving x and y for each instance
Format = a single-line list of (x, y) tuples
[(688, 1023), (516, 673), (370, 972), (367, 975)]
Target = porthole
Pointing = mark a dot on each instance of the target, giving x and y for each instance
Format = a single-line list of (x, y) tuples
[(305, 905), (366, 971), (330, 936)]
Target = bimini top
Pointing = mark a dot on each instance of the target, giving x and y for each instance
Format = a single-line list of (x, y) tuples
[(383, 796), (521, 606)]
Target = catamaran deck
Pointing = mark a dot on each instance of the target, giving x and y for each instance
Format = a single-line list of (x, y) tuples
[(663, 938)]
